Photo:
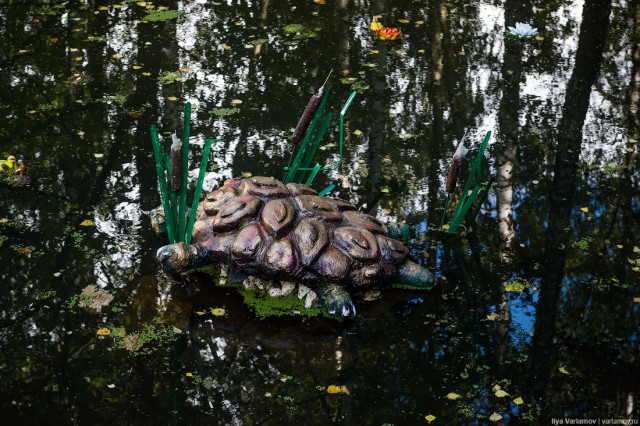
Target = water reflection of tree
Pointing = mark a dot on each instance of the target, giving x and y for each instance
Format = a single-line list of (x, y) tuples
[(593, 32)]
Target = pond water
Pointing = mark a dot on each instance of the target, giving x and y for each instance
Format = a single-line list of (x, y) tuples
[(538, 298)]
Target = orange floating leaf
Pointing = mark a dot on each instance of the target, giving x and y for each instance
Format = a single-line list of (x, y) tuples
[(103, 331)]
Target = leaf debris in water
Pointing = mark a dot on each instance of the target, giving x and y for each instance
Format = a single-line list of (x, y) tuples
[(453, 396), (430, 417), (103, 331), (518, 401), (161, 15), (337, 389), (495, 417)]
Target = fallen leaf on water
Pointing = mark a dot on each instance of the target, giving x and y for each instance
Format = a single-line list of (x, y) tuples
[(429, 417), (246, 174), (585, 209), (111, 386), (79, 58), (53, 40), (146, 74), (539, 38), (92, 297), (86, 222), (4, 220), (218, 312), (501, 394), (200, 312), (385, 190), (495, 417), (452, 396), (419, 22), (406, 136), (535, 182), (636, 299), (492, 317), (21, 51), (24, 250), (136, 67), (461, 53), (103, 331), (73, 49), (172, 98), (357, 132), (236, 102), (421, 51), (374, 52), (403, 21), (319, 1), (189, 374), (361, 72), (518, 401), (117, 56), (563, 370), (227, 47), (337, 389)]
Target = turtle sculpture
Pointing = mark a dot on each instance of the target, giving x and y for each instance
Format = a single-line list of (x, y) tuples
[(264, 228)]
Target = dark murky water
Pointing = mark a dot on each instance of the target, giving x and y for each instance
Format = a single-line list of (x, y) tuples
[(538, 299)]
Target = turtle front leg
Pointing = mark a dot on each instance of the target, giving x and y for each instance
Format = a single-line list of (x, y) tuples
[(180, 257), (416, 276), (336, 301)]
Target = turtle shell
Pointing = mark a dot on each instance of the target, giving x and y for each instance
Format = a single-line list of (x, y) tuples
[(262, 226)]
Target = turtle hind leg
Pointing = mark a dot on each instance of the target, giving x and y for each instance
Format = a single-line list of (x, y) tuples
[(414, 275), (336, 301)]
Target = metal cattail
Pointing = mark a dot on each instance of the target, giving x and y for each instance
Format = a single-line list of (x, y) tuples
[(176, 163), (454, 168), (307, 115)]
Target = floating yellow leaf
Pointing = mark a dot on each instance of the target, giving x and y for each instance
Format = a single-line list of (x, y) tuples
[(357, 132), (103, 8), (375, 25), (200, 312), (246, 174), (136, 67), (319, 1), (585, 209), (189, 374), (117, 56), (218, 312), (361, 72), (53, 40), (501, 394), (337, 389), (419, 22), (563, 370), (518, 401), (103, 331), (73, 49), (238, 23), (146, 74), (172, 98), (420, 50), (403, 21), (345, 72), (375, 52), (461, 53), (86, 222), (452, 396), (385, 190), (236, 102), (492, 317), (535, 182), (619, 246), (4, 220), (77, 30), (495, 417), (78, 58), (227, 47), (23, 51), (636, 299), (429, 417)]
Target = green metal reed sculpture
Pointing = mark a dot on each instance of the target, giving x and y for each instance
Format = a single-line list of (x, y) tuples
[(173, 170), (474, 188), (299, 169)]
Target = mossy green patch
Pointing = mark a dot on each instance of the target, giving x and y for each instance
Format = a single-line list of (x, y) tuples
[(161, 15), (266, 306)]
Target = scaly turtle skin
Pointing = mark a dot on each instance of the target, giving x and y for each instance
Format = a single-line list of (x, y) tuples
[(265, 228)]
